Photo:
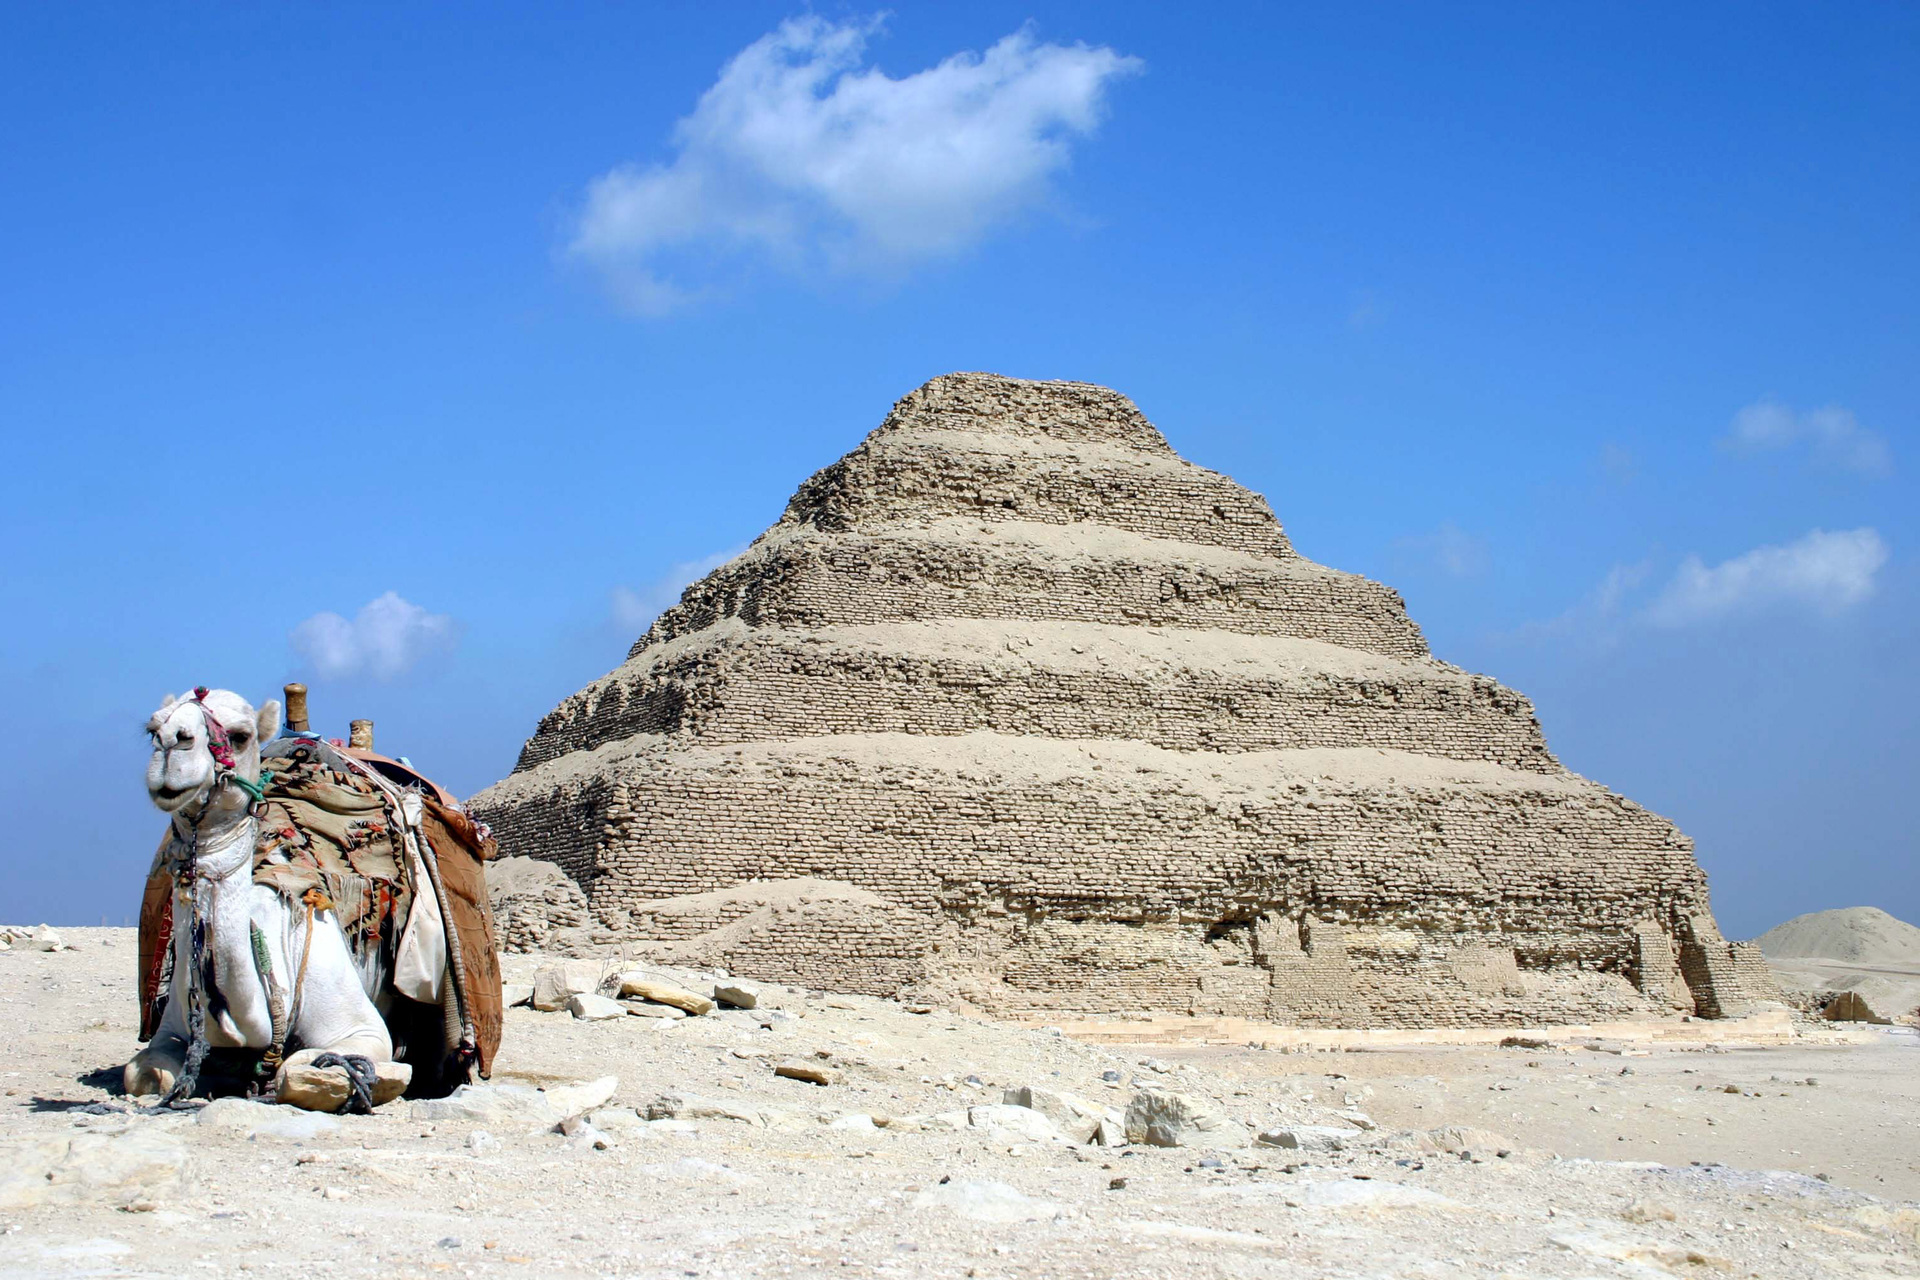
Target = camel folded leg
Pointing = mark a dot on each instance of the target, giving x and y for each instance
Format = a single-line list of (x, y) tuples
[(334, 1016)]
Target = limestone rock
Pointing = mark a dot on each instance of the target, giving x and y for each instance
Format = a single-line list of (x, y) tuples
[(581, 1134), (40, 938), (1308, 1137), (587, 1095), (683, 1106), (644, 986), (1166, 1118), (999, 1122), (1071, 1114), (736, 995), (111, 1169), (591, 1008), (555, 984), (811, 1072), (647, 1009), (516, 993), (311, 1088)]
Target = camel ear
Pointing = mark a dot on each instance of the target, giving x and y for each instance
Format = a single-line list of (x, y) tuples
[(168, 701), (266, 721)]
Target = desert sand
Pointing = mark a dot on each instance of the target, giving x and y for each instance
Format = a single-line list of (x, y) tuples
[(1779, 1156)]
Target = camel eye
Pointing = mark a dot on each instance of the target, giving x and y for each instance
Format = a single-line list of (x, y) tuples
[(239, 738)]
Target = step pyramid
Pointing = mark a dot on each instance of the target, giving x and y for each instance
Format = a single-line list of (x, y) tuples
[(1016, 706)]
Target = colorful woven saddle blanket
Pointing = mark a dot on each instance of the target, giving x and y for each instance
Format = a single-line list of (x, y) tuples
[(337, 832)]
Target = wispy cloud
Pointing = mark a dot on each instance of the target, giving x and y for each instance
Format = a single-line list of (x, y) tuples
[(1597, 615), (1618, 463), (1822, 572), (1832, 435), (803, 158), (1826, 572), (635, 609), (386, 639), (1450, 549)]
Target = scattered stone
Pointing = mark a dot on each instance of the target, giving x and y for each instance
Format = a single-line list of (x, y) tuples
[(1525, 1042), (555, 984), (581, 1134), (1308, 1137), (640, 984), (1358, 1119), (1003, 1123), (480, 1142), (1648, 1211), (1071, 1114), (811, 1072), (646, 1009), (737, 995), (516, 993), (577, 1099), (679, 1106), (986, 1200), (91, 1168), (1164, 1118), (592, 1008)]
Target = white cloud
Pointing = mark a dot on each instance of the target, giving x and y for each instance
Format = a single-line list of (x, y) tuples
[(387, 638), (1833, 435), (803, 157), (1823, 571), (1449, 548), (634, 611)]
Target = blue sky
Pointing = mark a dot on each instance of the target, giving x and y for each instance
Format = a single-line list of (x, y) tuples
[(1591, 331)]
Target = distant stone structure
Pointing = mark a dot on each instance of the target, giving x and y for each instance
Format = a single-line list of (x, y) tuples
[(1016, 706)]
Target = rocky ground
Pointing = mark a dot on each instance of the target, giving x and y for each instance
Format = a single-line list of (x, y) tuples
[(697, 1159)]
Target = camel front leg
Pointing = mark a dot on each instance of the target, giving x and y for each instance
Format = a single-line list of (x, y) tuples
[(155, 1068), (335, 1020)]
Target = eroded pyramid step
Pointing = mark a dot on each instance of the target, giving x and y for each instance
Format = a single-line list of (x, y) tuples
[(987, 405), (958, 474), (1556, 867), (802, 578), (1176, 688)]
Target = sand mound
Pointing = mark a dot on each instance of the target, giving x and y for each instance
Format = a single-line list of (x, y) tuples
[(1857, 935)]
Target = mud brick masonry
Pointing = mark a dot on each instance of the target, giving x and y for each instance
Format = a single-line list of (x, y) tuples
[(1014, 705)]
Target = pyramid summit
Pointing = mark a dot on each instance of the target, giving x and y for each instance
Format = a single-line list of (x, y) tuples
[(1048, 719)]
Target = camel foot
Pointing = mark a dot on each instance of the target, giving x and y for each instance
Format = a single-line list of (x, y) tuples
[(149, 1074)]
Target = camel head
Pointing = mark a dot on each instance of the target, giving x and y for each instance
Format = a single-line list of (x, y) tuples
[(202, 738)]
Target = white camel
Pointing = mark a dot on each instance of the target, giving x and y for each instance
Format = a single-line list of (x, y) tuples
[(206, 755)]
